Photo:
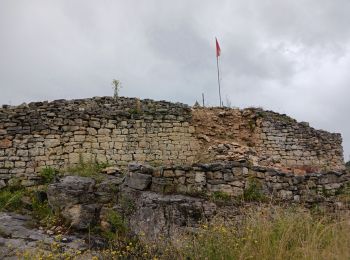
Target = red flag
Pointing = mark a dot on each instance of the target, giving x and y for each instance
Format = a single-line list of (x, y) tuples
[(218, 50)]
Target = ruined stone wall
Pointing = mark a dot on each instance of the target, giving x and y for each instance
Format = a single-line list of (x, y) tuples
[(236, 179), (297, 144), (60, 133), (268, 138)]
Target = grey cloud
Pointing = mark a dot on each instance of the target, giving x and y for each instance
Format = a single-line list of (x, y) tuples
[(290, 56)]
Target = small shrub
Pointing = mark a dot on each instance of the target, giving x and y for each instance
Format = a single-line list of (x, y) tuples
[(43, 213), (48, 174), (343, 193), (116, 87), (221, 197), (254, 191), (347, 165), (117, 236), (127, 204), (118, 224)]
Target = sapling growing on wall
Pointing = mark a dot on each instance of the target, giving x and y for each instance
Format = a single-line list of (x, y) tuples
[(116, 87)]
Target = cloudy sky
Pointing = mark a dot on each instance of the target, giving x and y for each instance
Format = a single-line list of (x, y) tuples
[(290, 56)]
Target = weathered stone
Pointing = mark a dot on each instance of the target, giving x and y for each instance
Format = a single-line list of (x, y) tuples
[(285, 194), (18, 235), (200, 177), (5, 143), (70, 190), (82, 216), (138, 181), (2, 184), (94, 124), (168, 173)]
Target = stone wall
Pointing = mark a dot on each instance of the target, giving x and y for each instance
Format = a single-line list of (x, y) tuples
[(235, 178), (268, 139), (61, 133), (164, 200)]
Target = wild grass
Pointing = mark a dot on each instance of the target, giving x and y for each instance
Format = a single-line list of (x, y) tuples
[(90, 169), (24, 201), (11, 199), (272, 233), (278, 234)]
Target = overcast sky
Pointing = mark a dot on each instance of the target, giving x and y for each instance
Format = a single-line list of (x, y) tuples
[(290, 56)]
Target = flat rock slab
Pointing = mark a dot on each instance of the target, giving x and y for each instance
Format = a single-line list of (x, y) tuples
[(17, 234)]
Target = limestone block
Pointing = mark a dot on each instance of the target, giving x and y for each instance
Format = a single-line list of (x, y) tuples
[(118, 145), (2, 184), (200, 177), (70, 128), (104, 145), (5, 143), (126, 157), (237, 184), (168, 173), (8, 165), (101, 158), (285, 194), (79, 138), (237, 171), (22, 153), (94, 124), (74, 158), (217, 175), (91, 131), (20, 164), (139, 157), (82, 216), (104, 131), (138, 181), (221, 188)]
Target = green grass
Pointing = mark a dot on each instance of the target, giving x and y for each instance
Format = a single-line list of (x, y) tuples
[(11, 199), (254, 191), (43, 213), (87, 169), (48, 174), (220, 197)]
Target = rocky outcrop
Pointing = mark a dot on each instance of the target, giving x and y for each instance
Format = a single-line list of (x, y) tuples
[(80, 199), (166, 200), (166, 216), (17, 234)]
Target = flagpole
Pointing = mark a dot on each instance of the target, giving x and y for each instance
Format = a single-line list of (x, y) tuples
[(217, 65)]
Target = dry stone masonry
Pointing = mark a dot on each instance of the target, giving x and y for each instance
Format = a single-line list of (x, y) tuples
[(267, 138), (119, 131), (162, 200), (61, 133)]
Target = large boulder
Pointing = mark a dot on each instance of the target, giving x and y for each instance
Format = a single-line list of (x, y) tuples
[(74, 199), (158, 215), (138, 181), (71, 190)]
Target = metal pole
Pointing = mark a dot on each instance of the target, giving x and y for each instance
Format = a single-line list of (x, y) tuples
[(203, 99), (217, 65)]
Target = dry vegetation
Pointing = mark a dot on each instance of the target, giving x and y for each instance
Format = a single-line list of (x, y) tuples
[(276, 233)]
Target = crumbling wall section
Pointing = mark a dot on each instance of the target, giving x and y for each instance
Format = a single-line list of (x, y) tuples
[(266, 138)]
